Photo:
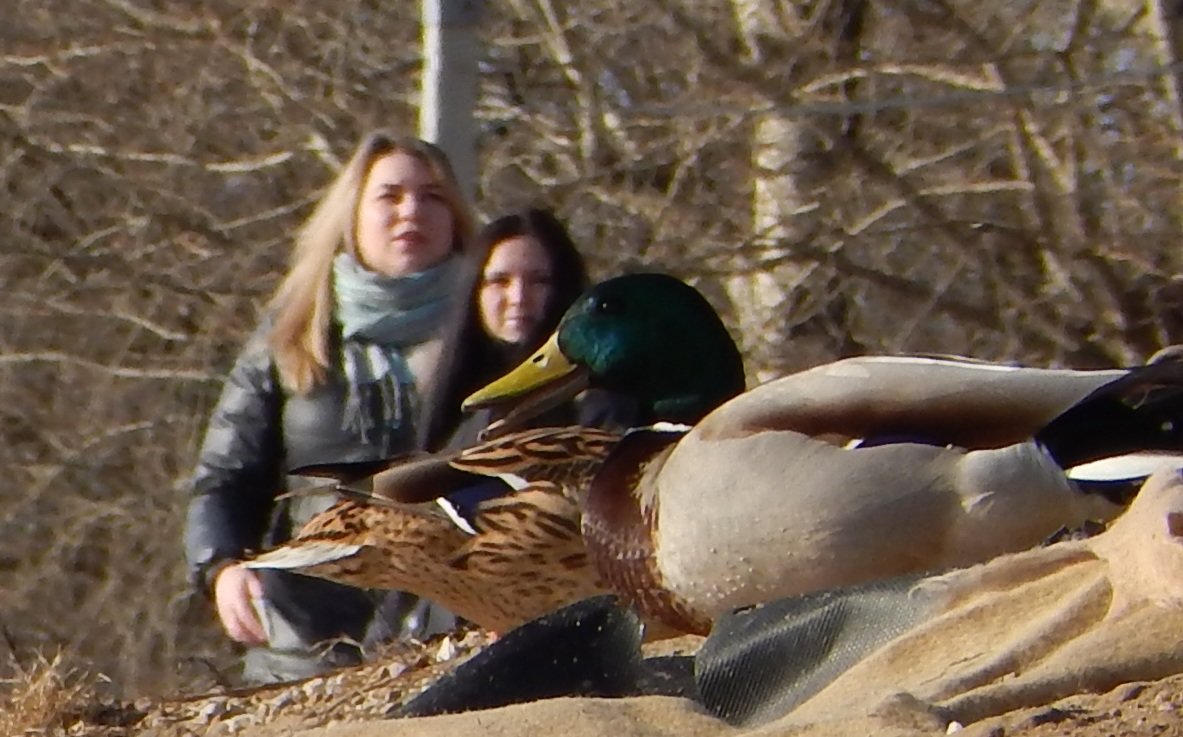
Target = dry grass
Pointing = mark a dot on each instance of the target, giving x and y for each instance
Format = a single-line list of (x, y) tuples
[(45, 698), (51, 697)]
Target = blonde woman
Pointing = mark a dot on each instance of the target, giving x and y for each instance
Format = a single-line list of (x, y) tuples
[(335, 373)]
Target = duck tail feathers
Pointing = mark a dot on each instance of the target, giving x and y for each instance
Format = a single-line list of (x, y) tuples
[(1139, 412), (1119, 478), (302, 555)]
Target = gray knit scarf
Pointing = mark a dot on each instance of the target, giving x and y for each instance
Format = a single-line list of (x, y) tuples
[(380, 317)]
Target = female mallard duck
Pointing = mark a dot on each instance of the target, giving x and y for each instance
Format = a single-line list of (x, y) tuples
[(764, 495), (507, 560)]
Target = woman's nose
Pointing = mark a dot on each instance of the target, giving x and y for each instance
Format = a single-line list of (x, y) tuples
[(410, 205), (516, 294)]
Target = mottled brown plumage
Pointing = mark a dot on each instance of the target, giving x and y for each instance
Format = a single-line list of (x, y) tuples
[(568, 457), (527, 557)]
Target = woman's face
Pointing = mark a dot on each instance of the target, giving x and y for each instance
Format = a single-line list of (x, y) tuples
[(404, 223), (516, 287)]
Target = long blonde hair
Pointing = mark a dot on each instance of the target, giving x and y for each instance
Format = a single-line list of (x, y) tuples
[(302, 306)]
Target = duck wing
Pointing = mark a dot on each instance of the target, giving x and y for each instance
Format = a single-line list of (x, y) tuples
[(970, 404), (567, 456)]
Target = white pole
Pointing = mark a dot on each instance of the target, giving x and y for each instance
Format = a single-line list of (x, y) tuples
[(451, 53)]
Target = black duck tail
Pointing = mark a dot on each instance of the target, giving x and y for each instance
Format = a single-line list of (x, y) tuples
[(1141, 411)]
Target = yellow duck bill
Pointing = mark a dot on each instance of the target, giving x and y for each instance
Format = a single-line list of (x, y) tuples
[(545, 380)]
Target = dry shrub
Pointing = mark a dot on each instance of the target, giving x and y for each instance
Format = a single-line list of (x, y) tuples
[(45, 698)]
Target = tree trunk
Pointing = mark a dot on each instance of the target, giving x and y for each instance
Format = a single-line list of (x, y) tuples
[(759, 293)]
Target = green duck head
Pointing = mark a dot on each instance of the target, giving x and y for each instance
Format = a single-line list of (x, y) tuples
[(650, 337)]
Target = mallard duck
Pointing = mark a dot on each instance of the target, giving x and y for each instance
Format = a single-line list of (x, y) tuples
[(502, 562), (856, 470)]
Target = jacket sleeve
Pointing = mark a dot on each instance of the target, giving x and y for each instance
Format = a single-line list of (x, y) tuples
[(238, 470)]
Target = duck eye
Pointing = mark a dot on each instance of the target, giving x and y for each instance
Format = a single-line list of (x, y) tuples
[(606, 306)]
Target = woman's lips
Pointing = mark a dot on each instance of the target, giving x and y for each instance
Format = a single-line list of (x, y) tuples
[(410, 239), (519, 322)]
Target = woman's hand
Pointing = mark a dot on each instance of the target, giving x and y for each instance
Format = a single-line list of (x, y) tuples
[(235, 589)]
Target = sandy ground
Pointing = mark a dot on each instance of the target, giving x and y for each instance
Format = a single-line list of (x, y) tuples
[(352, 703), (1135, 709)]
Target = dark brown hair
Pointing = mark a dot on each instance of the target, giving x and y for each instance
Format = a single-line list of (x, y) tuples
[(474, 358)]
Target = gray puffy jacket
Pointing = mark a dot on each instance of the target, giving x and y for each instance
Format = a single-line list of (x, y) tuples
[(258, 432)]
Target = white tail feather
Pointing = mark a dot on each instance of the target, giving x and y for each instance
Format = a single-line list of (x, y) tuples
[(1125, 467), (302, 555)]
